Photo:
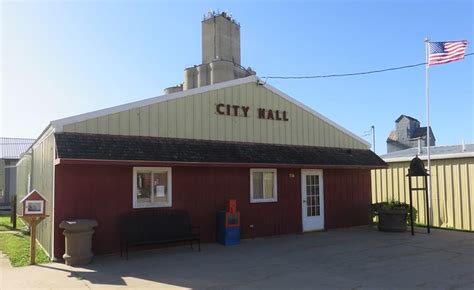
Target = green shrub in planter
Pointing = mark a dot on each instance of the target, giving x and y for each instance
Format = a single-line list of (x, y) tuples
[(393, 216)]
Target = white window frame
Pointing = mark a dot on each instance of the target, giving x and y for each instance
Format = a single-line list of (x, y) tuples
[(41, 207), (275, 191), (153, 170)]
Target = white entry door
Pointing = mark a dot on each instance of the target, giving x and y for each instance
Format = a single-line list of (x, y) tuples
[(312, 199)]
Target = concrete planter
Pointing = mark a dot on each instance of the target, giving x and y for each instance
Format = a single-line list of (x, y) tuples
[(78, 235), (392, 220)]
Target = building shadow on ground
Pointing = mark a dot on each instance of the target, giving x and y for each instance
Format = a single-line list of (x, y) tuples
[(344, 258)]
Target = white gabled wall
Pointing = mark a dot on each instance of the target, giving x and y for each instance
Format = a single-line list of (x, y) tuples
[(192, 114)]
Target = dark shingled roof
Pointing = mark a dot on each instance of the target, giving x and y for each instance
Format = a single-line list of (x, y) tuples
[(408, 117), (113, 147), (421, 132)]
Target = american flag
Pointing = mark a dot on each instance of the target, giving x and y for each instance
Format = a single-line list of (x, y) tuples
[(448, 51)]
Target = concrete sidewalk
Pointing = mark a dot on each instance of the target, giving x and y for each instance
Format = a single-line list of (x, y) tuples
[(358, 257)]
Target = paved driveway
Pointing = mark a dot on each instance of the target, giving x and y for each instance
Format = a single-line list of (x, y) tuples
[(345, 259)]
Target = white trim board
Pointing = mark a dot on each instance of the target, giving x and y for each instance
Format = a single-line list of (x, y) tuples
[(53, 201), (59, 124)]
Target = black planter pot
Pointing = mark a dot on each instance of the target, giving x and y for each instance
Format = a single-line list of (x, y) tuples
[(392, 220)]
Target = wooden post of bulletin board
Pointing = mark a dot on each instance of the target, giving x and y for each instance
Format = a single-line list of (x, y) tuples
[(33, 221)]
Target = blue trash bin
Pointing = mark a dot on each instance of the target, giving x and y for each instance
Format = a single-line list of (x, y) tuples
[(227, 235)]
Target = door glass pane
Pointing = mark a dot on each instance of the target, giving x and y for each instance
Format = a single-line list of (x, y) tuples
[(312, 195)]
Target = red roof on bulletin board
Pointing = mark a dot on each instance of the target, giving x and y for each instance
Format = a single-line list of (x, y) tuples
[(33, 195)]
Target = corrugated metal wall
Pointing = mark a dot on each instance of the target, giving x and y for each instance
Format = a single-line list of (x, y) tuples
[(39, 164), (195, 117), (2, 180), (23, 168), (452, 184)]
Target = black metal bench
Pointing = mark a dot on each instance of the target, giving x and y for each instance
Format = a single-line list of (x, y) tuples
[(157, 227)]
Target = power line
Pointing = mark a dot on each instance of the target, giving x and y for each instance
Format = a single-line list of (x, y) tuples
[(349, 74)]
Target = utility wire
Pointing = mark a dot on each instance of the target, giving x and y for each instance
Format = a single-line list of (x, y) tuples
[(350, 74)]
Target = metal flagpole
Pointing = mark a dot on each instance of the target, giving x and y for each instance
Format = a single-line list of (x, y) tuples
[(428, 139), (373, 137)]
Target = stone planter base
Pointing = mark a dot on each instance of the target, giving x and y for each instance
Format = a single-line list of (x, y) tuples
[(392, 221), (78, 234)]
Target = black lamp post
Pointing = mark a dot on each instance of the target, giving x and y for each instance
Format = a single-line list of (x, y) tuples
[(417, 168)]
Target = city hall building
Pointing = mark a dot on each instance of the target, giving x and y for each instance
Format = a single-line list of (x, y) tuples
[(223, 134)]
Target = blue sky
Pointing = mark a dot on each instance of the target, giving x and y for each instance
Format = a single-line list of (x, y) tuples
[(64, 58)]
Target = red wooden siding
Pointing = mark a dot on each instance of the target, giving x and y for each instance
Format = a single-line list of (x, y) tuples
[(104, 192), (347, 197)]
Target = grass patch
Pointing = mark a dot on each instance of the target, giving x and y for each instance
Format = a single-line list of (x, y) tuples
[(5, 224), (17, 247)]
